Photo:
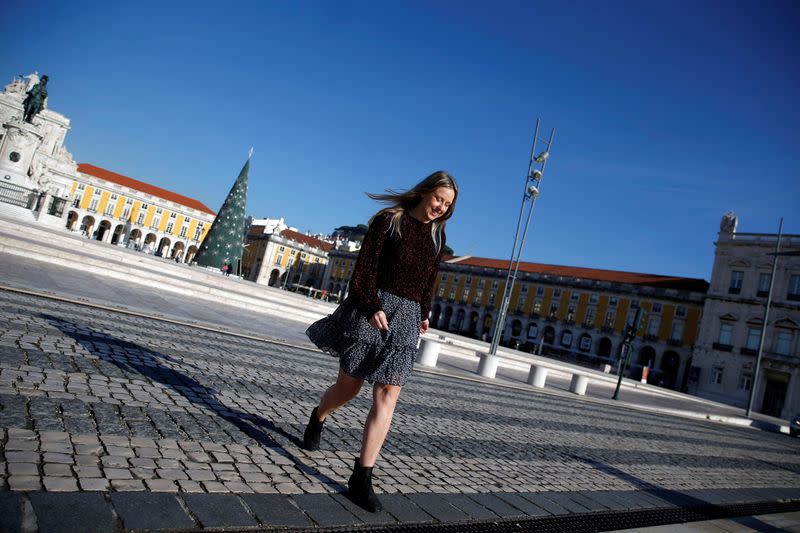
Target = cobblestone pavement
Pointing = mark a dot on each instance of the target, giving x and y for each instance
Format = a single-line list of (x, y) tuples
[(114, 411)]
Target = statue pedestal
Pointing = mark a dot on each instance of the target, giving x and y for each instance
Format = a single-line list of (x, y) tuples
[(19, 144)]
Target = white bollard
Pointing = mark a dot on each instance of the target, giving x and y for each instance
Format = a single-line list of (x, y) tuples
[(578, 384), (487, 367), (428, 352), (537, 376)]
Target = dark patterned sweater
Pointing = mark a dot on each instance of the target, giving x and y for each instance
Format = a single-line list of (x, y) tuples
[(404, 266)]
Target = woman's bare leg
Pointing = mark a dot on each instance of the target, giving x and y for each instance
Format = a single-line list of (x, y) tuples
[(345, 389), (384, 400)]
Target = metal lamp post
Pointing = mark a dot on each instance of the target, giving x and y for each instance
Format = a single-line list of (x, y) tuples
[(487, 366), (764, 323)]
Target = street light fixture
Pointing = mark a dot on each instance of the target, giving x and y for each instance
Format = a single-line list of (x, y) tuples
[(530, 192)]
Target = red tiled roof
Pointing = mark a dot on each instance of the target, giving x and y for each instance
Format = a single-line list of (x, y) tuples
[(613, 276), (311, 241), (143, 187)]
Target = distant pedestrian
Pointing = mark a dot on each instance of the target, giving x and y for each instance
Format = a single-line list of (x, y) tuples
[(226, 269), (374, 331)]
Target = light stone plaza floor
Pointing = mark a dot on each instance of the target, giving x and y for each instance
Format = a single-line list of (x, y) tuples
[(121, 411)]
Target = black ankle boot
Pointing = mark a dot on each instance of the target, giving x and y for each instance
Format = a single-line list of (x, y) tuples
[(312, 433), (360, 488)]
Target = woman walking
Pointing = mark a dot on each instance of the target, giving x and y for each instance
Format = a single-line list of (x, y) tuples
[(374, 331)]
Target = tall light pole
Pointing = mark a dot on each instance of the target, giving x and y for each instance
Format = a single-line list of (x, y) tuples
[(764, 323), (487, 366)]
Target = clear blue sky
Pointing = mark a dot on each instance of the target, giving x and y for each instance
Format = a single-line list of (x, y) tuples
[(667, 114)]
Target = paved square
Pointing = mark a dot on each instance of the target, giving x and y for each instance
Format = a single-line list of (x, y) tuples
[(94, 400)]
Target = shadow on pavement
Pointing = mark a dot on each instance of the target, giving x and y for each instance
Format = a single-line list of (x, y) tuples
[(707, 509), (153, 366)]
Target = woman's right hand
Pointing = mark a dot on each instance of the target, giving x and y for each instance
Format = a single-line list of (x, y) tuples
[(379, 321)]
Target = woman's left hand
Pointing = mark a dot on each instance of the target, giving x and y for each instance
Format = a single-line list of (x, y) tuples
[(423, 327)]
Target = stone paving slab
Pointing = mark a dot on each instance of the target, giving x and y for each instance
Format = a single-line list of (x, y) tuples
[(103, 413)]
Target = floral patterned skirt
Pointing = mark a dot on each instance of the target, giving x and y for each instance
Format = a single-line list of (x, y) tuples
[(365, 352)]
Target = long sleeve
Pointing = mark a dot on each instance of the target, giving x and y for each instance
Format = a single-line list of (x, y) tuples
[(364, 282), (425, 303)]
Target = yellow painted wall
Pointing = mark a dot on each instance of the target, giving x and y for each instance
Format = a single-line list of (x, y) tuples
[(73, 189), (178, 225), (120, 206), (583, 303), (192, 227), (602, 309), (148, 218), (667, 314), (87, 197), (622, 314), (692, 322), (563, 304), (164, 220), (101, 207)]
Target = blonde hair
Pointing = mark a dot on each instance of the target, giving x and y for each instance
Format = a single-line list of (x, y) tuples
[(403, 201)]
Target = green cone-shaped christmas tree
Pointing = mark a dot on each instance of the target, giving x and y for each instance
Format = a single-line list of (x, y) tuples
[(224, 242)]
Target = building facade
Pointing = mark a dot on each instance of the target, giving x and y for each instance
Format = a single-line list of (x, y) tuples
[(284, 257), (575, 313), (341, 261), (116, 209), (733, 317)]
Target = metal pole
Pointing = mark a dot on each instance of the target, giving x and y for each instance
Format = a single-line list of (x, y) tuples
[(500, 322), (764, 324)]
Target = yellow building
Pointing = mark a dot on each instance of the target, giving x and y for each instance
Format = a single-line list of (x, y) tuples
[(281, 257), (113, 208), (574, 313)]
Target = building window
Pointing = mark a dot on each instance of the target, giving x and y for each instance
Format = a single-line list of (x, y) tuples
[(677, 331), (465, 296), (737, 277), (656, 307), (586, 343), (456, 278), (126, 212), (140, 218), (184, 229), (716, 375), (571, 312), (293, 252), (680, 311), (159, 210), (794, 288), (303, 255), (590, 315), (478, 296), (556, 293), (491, 298), (593, 298), (753, 338), (93, 203), (279, 260), (444, 277), (494, 283), (783, 344), (553, 310), (566, 339), (653, 325), (109, 209), (533, 331), (441, 291), (173, 216), (145, 207), (574, 297), (726, 334), (539, 291), (281, 249), (612, 301), (452, 294), (197, 232), (763, 284), (634, 304), (609, 322), (524, 289), (170, 225), (520, 303), (114, 196), (469, 280), (481, 283), (745, 380), (81, 186), (156, 223)]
